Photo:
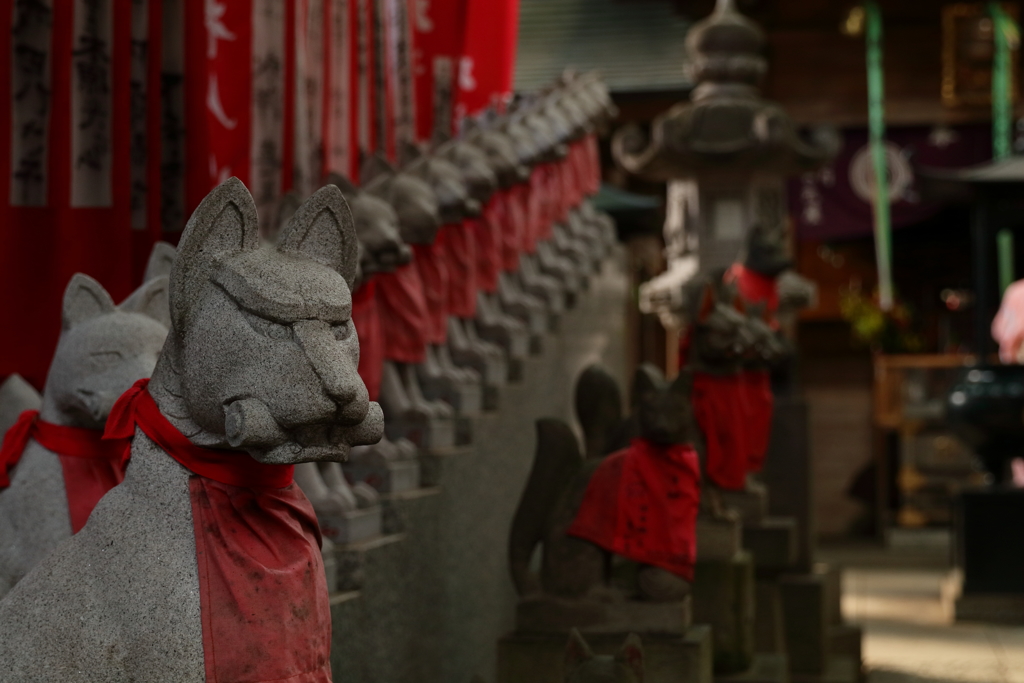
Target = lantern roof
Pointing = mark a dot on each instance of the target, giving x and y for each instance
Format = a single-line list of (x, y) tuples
[(726, 125)]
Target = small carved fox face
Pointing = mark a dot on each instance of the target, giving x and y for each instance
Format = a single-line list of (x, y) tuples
[(263, 354), (103, 350), (376, 228), (583, 666), (507, 155), (413, 200), (445, 179), (478, 175), (721, 332), (662, 408)]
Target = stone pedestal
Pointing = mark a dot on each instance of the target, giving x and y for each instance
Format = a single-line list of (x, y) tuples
[(428, 433), (805, 613), (787, 473), (751, 503), (993, 567), (723, 597), (538, 658), (718, 539), (555, 616), (773, 542), (386, 476), (466, 398), (351, 560), (358, 525), (765, 668)]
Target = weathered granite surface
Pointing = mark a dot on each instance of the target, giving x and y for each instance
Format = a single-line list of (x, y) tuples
[(16, 396), (103, 349)]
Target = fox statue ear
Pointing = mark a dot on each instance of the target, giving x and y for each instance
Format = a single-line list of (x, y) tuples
[(683, 383), (161, 260), (151, 299), (373, 167), (84, 299), (323, 230), (408, 152), (646, 379), (631, 655), (576, 651), (347, 187), (223, 225)]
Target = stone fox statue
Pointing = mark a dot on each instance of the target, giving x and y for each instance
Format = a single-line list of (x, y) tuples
[(551, 509), (203, 565), (583, 666), (54, 464)]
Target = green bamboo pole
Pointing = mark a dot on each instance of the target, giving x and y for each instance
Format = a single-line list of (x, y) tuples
[(1004, 246), (876, 128), (1005, 38)]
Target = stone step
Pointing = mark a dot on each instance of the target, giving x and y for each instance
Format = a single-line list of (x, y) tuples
[(766, 668)]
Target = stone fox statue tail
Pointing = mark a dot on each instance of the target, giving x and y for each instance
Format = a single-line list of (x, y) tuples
[(556, 463)]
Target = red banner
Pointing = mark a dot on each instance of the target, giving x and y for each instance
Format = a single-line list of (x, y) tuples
[(487, 68), (439, 32)]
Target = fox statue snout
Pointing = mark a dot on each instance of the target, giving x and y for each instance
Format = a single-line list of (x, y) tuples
[(264, 355)]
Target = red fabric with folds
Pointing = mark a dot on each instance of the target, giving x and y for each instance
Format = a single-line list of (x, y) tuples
[(760, 402), (642, 503), (366, 319), (488, 243), (403, 314), (462, 266), (512, 229), (754, 287), (720, 407), (548, 185), (91, 466), (432, 263), (593, 154), (535, 205), (256, 538), (520, 196)]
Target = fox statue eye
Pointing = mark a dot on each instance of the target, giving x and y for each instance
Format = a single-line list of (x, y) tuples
[(268, 328), (343, 331)]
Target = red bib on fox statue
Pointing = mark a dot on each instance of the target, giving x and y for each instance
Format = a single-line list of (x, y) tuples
[(366, 319), (432, 263), (462, 266), (512, 230), (755, 288), (488, 243), (90, 465), (256, 536), (642, 503), (760, 404), (721, 409), (403, 315)]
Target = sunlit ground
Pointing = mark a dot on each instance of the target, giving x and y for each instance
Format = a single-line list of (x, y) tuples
[(905, 601)]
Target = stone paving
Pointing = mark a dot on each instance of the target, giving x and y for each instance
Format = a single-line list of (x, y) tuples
[(905, 603)]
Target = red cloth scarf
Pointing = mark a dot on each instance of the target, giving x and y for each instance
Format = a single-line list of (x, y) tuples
[(403, 314), (535, 206), (754, 287), (90, 465), (520, 195), (760, 402), (265, 609), (512, 230), (432, 263), (462, 265), (366, 319), (488, 246), (720, 406), (642, 503)]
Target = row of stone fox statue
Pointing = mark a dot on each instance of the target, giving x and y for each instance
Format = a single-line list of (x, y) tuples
[(152, 524)]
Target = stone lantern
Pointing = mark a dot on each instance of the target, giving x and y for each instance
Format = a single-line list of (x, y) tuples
[(726, 153)]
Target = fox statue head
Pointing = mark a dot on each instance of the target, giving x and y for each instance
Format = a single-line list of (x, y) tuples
[(766, 252), (376, 227), (509, 156), (661, 408), (453, 200), (412, 199), (480, 178), (767, 347), (262, 353), (103, 350), (583, 666)]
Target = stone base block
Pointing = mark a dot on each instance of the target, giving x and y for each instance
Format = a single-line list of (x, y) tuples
[(464, 428), (358, 525), (718, 539), (550, 615), (667, 659), (751, 503), (351, 561), (536, 344), (773, 542), (723, 597), (805, 610), (466, 398), (387, 476), (492, 397), (999, 608), (516, 368), (769, 625), (429, 433), (766, 668), (846, 640)]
